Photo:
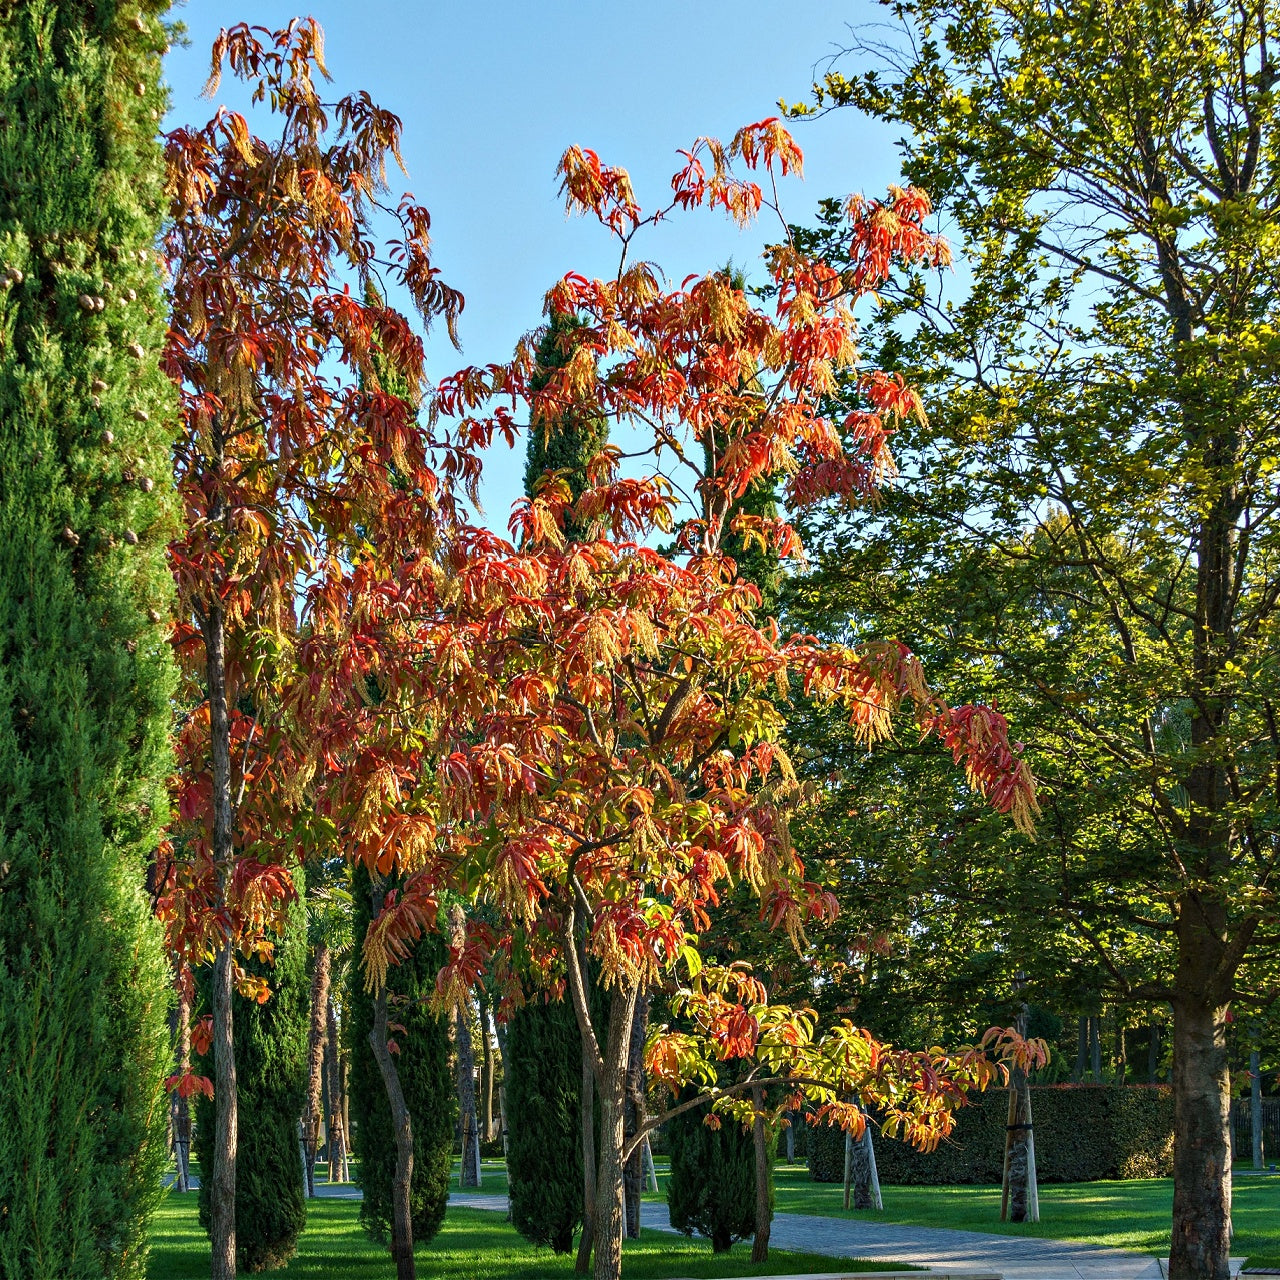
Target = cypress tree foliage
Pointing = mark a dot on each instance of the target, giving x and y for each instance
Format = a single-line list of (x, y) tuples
[(544, 1149), (712, 1187), (569, 440), (425, 1078), (85, 672), (271, 1078), (544, 1066)]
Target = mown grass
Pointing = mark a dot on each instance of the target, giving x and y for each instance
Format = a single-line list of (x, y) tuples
[(472, 1245), (1124, 1215)]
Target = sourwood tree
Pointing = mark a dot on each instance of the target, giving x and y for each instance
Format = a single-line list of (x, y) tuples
[(86, 420), (604, 724), (1101, 396), (309, 501)]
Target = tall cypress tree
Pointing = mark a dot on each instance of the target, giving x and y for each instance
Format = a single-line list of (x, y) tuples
[(544, 1150), (271, 1083), (712, 1188), (85, 672), (567, 440), (544, 1070), (425, 1078)]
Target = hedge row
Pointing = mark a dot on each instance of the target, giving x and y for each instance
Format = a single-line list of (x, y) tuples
[(1083, 1133)]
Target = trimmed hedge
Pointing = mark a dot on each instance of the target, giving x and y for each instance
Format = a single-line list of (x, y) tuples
[(1084, 1133)]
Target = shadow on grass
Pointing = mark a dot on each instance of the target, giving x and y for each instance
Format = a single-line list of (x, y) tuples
[(1132, 1215), (472, 1245)]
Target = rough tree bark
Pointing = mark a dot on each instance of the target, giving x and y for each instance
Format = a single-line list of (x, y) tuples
[(611, 1079), (1202, 1146), (764, 1209), (316, 1037), (1255, 1108)]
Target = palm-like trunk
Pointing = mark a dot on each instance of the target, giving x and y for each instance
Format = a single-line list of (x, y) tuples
[(315, 1059)]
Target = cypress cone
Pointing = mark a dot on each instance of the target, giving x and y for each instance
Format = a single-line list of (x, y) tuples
[(86, 678)]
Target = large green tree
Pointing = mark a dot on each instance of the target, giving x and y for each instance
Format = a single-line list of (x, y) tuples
[(1102, 421), (422, 1063), (85, 676)]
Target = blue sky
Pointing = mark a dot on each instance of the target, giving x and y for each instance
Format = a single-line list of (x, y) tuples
[(492, 93)]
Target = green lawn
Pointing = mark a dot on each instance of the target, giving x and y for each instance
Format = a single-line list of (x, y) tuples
[(473, 1245), (1125, 1215)]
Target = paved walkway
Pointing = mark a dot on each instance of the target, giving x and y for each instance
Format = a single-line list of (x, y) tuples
[(1013, 1257)]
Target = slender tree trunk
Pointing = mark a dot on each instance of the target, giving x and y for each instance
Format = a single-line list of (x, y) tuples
[(402, 1127), (466, 1081), (1153, 1053), (633, 1172), (500, 1034), (222, 1183), (344, 1100), (486, 1069), (181, 1112), (791, 1138), (651, 1173), (1202, 1144), (586, 1111), (1255, 1108), (764, 1209), (1082, 1048), (327, 1108), (315, 1060), (470, 1175), (1095, 1046), (338, 1145)]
